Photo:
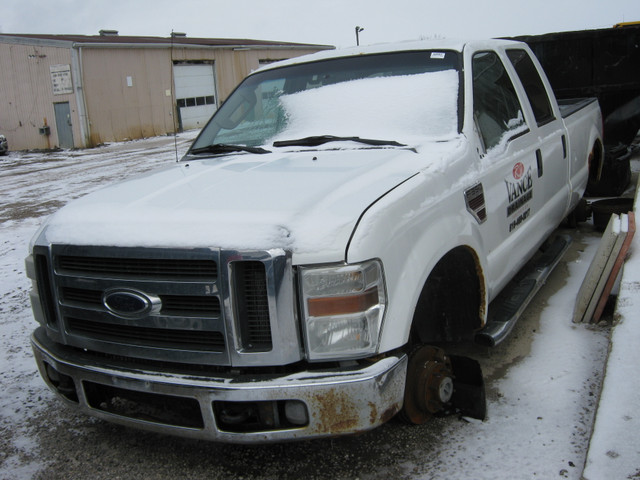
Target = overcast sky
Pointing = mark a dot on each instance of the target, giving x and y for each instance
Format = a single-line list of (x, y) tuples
[(328, 22)]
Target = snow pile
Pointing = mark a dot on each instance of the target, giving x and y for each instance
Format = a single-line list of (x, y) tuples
[(146, 226), (407, 109)]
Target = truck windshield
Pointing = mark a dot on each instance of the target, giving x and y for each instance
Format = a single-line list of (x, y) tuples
[(397, 97)]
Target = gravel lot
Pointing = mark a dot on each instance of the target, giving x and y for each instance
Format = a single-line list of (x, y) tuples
[(542, 383)]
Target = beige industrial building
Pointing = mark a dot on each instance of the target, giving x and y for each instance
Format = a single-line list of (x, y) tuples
[(75, 91)]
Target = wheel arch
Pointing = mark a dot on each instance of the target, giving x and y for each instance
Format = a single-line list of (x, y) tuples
[(452, 303), (595, 161)]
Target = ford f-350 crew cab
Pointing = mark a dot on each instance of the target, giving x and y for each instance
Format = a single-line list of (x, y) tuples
[(341, 219)]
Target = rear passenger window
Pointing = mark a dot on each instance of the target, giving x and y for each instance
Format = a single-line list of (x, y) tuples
[(496, 107), (533, 85)]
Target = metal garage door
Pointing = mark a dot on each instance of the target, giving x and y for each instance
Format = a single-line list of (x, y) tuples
[(195, 94)]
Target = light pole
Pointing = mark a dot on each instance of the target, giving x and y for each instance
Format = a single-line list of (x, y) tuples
[(358, 30)]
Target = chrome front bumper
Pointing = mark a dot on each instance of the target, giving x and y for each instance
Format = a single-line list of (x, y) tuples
[(336, 401)]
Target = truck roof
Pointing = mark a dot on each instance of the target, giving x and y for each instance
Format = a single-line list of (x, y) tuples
[(441, 44)]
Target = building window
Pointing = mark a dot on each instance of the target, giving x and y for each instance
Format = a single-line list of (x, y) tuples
[(196, 101)]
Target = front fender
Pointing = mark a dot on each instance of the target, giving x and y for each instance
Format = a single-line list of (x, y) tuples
[(410, 232)]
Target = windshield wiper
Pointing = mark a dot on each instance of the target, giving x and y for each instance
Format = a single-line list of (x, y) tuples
[(322, 139), (227, 148)]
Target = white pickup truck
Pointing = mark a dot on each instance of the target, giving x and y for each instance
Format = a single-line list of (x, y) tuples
[(340, 221)]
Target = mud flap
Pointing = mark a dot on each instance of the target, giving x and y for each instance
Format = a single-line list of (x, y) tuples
[(469, 398)]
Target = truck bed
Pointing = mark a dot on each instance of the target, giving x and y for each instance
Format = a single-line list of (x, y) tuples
[(569, 106)]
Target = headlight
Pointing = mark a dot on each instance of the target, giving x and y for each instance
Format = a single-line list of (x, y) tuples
[(343, 307)]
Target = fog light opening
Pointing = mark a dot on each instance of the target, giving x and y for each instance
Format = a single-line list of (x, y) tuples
[(296, 412), (63, 384), (260, 416)]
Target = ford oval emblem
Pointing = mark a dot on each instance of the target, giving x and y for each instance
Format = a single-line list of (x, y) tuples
[(130, 303)]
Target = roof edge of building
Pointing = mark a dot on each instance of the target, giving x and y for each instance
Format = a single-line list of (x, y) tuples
[(117, 41)]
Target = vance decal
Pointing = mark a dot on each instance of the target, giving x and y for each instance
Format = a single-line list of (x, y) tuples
[(519, 192)]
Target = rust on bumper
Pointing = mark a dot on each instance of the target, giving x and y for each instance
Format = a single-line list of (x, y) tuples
[(337, 402)]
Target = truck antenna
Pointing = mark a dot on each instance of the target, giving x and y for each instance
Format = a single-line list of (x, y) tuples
[(174, 106)]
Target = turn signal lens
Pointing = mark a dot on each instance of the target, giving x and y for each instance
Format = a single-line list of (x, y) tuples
[(325, 306)]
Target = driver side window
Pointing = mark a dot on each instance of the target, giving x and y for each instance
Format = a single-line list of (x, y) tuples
[(496, 107)]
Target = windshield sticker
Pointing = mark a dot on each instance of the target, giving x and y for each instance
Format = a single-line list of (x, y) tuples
[(519, 193), (438, 55)]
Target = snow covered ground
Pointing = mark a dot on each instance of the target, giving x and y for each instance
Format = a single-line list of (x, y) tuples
[(543, 382), (33, 185)]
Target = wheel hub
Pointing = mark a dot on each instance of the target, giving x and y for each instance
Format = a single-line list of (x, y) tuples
[(429, 385)]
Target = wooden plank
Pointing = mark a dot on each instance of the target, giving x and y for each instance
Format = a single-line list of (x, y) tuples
[(622, 255), (596, 268), (621, 234)]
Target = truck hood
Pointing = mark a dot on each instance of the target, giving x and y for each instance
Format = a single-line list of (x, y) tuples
[(308, 202)]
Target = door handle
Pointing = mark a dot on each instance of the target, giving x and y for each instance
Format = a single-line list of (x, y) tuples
[(539, 161)]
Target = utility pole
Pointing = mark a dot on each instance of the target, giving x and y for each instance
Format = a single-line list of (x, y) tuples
[(358, 30)]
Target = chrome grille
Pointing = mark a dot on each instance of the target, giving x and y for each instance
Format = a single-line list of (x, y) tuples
[(139, 267), (173, 305), (206, 306), (252, 306), (156, 337)]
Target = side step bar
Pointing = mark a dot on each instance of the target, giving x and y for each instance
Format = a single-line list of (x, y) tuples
[(507, 307)]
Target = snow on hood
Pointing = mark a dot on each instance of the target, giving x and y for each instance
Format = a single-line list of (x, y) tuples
[(308, 202)]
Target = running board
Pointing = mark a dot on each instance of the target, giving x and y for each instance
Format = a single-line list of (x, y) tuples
[(507, 307)]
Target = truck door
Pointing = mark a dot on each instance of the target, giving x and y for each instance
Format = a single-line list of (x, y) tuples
[(508, 166), (551, 156)]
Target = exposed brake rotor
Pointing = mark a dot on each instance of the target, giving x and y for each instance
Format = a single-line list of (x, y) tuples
[(429, 386)]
